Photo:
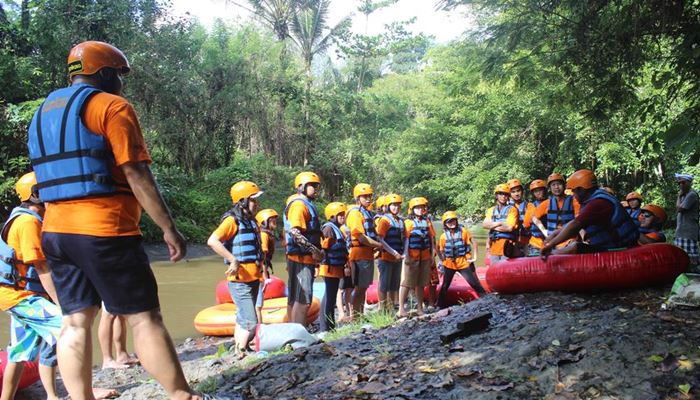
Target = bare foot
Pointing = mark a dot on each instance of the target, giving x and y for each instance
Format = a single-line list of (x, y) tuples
[(104, 393), (128, 359), (113, 364), (402, 314)]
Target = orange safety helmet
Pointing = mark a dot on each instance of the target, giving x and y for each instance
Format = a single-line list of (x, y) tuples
[(304, 178), (609, 190), (335, 208), (583, 178), (538, 184), (263, 215), (25, 186), (634, 196), (502, 188), (381, 202), (392, 198), (417, 201), (658, 212), (449, 215), (555, 177), (244, 190), (362, 189), (89, 57), (513, 183)]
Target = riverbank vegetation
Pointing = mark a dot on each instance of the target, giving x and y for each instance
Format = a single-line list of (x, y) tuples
[(528, 89)]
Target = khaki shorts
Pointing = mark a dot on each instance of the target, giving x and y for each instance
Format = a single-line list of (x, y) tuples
[(415, 273)]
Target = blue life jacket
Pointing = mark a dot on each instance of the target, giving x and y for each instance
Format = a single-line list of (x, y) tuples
[(337, 254), (634, 214), (454, 243), (394, 237), (534, 230), (70, 161), (367, 223), (521, 231), (312, 232), (622, 231), (501, 216), (346, 233), (245, 245), (644, 231), (26, 278), (419, 237), (557, 218)]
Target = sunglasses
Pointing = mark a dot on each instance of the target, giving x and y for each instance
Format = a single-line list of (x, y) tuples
[(647, 215)]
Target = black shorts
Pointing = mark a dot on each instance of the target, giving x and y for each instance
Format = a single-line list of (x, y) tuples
[(585, 248), (88, 270)]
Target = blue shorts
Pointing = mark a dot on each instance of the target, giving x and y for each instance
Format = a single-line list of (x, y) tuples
[(389, 275), (35, 324), (244, 295), (88, 270), (362, 273), (300, 283)]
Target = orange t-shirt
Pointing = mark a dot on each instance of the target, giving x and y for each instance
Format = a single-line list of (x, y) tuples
[(267, 244), (417, 254), (114, 118), (24, 236), (247, 272), (459, 262), (299, 216), (325, 270), (496, 246), (527, 223), (541, 211), (383, 226), (355, 222)]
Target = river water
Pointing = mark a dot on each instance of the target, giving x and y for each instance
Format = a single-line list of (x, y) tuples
[(184, 289)]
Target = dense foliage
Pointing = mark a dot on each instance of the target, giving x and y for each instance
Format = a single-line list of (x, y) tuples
[(533, 87)]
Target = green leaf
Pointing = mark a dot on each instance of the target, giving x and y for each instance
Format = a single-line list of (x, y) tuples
[(684, 388), (656, 358)]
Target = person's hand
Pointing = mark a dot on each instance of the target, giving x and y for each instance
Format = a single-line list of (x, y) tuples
[(318, 255), (546, 250), (266, 275), (232, 269), (471, 260), (177, 246)]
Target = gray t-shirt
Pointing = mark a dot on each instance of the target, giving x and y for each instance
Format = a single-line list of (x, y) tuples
[(687, 225)]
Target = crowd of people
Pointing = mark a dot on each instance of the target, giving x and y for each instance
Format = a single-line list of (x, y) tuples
[(73, 245)]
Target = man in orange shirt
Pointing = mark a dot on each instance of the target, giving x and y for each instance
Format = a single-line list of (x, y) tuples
[(558, 210), (360, 221), (501, 221), (391, 234), (522, 233), (419, 253), (302, 241), (538, 188), (92, 168), (35, 321)]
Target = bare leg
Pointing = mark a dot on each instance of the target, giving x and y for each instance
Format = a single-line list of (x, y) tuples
[(383, 305), (48, 379), (432, 295), (358, 301), (10, 380), (299, 312), (394, 297), (341, 304), (403, 296), (74, 352), (156, 351), (419, 300), (105, 334), (119, 334), (242, 338), (568, 249)]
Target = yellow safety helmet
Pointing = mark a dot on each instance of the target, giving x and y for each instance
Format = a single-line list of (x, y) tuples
[(417, 201), (263, 215), (449, 215), (244, 190), (381, 202), (25, 186), (392, 198), (304, 178), (362, 189), (335, 208), (634, 196), (502, 188), (513, 183)]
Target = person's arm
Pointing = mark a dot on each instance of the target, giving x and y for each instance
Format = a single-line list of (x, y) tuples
[(687, 202), (568, 231), (42, 269), (540, 225), (142, 183), (304, 243), (367, 241), (475, 251), (214, 242)]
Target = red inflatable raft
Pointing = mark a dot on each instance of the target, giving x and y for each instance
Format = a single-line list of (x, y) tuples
[(648, 265), (30, 374), (276, 288), (458, 292)]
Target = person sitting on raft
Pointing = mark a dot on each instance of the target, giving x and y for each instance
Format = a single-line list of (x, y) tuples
[(522, 232), (558, 210), (608, 226), (652, 218), (634, 201), (237, 240), (501, 221), (538, 188), (457, 251), (267, 221)]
